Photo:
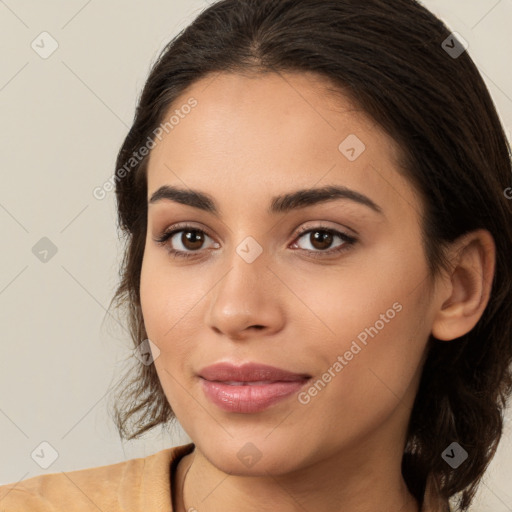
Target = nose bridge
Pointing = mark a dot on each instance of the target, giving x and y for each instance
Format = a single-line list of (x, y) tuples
[(245, 295), (248, 260), (247, 278)]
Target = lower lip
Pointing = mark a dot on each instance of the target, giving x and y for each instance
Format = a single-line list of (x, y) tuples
[(249, 399)]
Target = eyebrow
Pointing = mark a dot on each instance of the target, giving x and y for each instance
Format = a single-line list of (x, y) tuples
[(279, 204)]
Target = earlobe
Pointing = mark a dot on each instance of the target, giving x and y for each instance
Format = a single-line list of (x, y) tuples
[(469, 286)]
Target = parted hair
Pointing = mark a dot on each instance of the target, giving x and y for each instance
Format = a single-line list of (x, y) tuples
[(393, 60)]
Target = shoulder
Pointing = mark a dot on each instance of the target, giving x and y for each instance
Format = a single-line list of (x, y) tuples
[(121, 486)]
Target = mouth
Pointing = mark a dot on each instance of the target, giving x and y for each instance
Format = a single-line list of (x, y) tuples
[(249, 388)]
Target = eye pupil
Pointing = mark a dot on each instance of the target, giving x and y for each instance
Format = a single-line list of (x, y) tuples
[(192, 237), (322, 238)]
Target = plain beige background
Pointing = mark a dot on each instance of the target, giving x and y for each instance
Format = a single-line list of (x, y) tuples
[(63, 119)]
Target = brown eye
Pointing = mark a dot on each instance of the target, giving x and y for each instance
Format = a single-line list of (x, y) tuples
[(192, 239), (321, 240), (184, 241)]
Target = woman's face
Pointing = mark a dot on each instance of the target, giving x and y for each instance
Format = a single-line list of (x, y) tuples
[(254, 289)]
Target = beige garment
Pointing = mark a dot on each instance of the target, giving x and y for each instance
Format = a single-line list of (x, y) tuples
[(135, 485)]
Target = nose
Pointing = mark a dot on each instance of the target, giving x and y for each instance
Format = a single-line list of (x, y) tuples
[(246, 301)]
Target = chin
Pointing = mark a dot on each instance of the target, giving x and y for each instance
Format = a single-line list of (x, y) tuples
[(259, 457)]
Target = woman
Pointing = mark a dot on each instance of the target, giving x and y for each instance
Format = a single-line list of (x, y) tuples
[(317, 268)]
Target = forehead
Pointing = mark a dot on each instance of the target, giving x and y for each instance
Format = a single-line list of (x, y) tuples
[(265, 134)]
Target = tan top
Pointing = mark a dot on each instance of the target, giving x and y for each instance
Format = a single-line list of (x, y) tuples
[(137, 484)]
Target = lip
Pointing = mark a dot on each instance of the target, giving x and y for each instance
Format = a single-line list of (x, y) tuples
[(248, 372), (249, 388)]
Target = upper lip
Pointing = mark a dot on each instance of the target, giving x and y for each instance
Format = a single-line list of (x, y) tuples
[(248, 372)]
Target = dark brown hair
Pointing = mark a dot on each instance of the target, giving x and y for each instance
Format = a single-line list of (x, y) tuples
[(391, 60)]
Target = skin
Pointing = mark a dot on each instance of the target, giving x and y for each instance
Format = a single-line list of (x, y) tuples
[(247, 140)]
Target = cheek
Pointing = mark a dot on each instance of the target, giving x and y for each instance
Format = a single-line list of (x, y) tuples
[(374, 332), (166, 308), (365, 384), (366, 296), (170, 300), (153, 298)]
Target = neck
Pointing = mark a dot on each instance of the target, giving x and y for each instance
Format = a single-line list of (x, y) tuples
[(331, 487)]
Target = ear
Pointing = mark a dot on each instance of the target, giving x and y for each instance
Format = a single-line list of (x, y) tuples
[(467, 289)]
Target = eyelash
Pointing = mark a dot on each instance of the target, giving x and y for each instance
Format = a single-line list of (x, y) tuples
[(348, 240)]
